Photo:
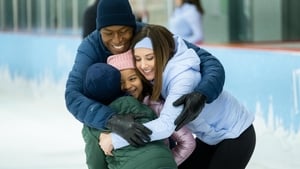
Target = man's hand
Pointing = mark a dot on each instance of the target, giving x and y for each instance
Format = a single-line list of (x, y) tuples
[(193, 104), (105, 143), (136, 134)]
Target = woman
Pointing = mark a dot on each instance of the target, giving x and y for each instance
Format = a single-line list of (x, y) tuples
[(224, 132), (186, 20)]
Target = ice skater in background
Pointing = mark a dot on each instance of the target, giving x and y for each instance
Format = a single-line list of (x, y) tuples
[(186, 20)]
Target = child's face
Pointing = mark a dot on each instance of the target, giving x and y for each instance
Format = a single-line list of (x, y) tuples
[(131, 82), (145, 62)]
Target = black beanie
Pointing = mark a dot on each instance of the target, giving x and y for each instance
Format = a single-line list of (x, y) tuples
[(114, 12), (102, 83)]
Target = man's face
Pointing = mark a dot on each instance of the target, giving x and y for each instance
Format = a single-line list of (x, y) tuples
[(117, 38)]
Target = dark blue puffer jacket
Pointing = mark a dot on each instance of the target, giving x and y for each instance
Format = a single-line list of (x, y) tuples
[(92, 50)]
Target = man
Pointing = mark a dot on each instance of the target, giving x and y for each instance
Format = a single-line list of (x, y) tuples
[(115, 27)]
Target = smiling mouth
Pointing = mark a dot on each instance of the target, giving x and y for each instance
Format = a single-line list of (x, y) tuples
[(131, 92), (147, 71), (118, 46)]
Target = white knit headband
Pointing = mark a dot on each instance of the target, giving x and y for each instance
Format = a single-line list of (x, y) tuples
[(144, 43)]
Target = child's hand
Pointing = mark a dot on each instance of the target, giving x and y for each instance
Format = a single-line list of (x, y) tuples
[(105, 143)]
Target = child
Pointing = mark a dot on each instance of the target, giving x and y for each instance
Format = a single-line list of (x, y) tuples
[(102, 83)]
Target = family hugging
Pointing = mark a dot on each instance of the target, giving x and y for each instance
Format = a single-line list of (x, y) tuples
[(148, 99)]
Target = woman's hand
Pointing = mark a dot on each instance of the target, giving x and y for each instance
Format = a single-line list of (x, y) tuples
[(105, 143), (193, 104)]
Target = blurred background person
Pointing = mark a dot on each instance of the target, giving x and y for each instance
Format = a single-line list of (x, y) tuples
[(142, 16), (140, 10), (186, 20), (89, 19)]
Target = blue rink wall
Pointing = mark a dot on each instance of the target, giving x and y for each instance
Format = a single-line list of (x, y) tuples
[(34, 56), (268, 81)]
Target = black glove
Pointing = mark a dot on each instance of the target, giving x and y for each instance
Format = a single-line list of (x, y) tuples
[(136, 134), (193, 104)]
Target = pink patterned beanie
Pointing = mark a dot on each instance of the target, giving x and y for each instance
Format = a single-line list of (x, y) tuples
[(121, 61)]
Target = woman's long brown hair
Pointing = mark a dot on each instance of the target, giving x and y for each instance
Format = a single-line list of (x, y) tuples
[(163, 48)]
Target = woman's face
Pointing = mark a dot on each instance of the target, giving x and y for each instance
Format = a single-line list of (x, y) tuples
[(131, 83), (145, 62), (117, 38)]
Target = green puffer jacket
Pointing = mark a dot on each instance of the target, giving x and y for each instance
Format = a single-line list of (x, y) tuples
[(154, 155)]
